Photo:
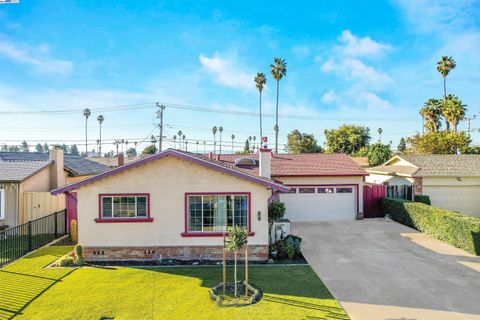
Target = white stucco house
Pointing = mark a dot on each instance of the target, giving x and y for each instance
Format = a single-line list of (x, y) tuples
[(451, 181), (178, 204)]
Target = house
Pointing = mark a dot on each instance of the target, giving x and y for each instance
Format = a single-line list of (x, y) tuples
[(451, 181), (178, 204), (113, 162), (22, 173)]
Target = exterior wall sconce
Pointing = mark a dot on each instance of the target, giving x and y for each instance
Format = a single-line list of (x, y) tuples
[(459, 178), (259, 216)]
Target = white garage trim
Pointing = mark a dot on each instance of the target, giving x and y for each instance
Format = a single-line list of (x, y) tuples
[(354, 186)]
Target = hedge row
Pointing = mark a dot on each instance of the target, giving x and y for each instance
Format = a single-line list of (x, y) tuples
[(457, 229)]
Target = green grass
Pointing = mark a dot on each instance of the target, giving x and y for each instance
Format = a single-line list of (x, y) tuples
[(28, 291), (13, 247)]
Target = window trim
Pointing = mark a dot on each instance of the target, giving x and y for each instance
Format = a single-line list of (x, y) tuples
[(187, 233), (101, 219), (307, 188), (2, 204)]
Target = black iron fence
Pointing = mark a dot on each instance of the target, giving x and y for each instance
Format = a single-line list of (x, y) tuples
[(18, 241)]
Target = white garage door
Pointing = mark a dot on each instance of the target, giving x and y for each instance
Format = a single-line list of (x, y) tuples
[(464, 199), (320, 203)]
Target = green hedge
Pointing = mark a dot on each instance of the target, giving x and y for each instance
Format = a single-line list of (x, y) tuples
[(457, 229), (422, 199)]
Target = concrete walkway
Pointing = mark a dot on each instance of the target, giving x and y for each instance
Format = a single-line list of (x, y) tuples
[(382, 270)]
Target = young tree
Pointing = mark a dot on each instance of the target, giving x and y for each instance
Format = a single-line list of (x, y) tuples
[(378, 154), (237, 239), (151, 149), (260, 81), (278, 70), (39, 148), (302, 143), (74, 150), (131, 152), (246, 149), (347, 139), (402, 146), (441, 142), (24, 147)]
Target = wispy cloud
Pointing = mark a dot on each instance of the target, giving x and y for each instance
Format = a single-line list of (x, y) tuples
[(355, 69), (354, 46), (226, 72), (37, 57)]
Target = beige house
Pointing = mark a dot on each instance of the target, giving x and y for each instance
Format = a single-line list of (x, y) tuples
[(27, 178), (451, 181), (176, 204)]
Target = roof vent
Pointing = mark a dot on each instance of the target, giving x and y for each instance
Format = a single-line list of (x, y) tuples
[(245, 161)]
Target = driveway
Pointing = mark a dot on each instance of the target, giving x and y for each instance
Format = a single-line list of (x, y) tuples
[(381, 270)]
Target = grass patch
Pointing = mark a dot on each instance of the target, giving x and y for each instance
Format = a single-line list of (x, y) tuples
[(14, 247), (31, 292)]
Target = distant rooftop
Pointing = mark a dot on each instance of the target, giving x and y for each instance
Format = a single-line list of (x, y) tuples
[(19, 171)]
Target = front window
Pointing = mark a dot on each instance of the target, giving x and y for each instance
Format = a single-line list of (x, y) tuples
[(216, 213), (124, 206)]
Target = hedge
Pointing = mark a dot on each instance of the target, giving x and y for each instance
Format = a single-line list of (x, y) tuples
[(422, 199), (457, 229)]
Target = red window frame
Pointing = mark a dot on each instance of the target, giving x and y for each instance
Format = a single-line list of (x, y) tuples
[(187, 233), (100, 219)]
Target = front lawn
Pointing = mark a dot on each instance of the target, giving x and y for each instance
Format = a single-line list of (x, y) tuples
[(28, 291)]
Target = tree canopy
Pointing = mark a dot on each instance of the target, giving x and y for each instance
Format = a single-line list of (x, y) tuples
[(347, 139), (131, 153), (302, 143), (378, 153), (151, 149), (442, 142)]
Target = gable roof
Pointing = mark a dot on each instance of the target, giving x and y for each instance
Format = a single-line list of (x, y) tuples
[(76, 165), (20, 171), (306, 164), (198, 159), (434, 165)]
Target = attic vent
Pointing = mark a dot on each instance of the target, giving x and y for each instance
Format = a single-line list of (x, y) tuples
[(245, 161)]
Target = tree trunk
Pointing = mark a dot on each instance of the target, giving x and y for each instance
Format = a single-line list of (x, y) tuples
[(246, 269), (235, 272), (261, 132), (276, 121)]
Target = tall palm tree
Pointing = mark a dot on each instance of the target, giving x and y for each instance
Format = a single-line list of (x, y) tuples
[(100, 119), (180, 138), (117, 143), (184, 142), (86, 114), (174, 141), (454, 111), (380, 131), (444, 66), (197, 145), (278, 70), (233, 138), (214, 131), (260, 81), (432, 114), (220, 129)]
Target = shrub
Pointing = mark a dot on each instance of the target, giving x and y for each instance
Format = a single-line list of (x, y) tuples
[(79, 260), (457, 229), (74, 231), (65, 261), (422, 199), (289, 247), (276, 210)]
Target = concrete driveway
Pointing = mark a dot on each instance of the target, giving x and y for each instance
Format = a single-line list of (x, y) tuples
[(380, 269)]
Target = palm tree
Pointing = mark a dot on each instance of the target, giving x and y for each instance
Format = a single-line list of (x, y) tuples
[(432, 113), (86, 113), (180, 138), (380, 131), (254, 138), (278, 70), (444, 66), (197, 145), (186, 145), (100, 119), (204, 146), (260, 81), (117, 142), (184, 142), (174, 141), (214, 131), (220, 129), (454, 111), (233, 138)]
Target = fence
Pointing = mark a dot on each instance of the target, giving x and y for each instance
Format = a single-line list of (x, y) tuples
[(18, 241), (37, 205)]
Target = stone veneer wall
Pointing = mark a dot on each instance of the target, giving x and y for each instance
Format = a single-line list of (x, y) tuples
[(255, 253)]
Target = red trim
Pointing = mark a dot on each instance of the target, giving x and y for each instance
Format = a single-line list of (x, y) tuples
[(356, 185), (186, 233), (101, 219)]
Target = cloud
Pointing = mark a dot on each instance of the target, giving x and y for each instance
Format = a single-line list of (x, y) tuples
[(227, 73), (330, 96), (360, 47), (371, 100), (355, 69), (37, 57)]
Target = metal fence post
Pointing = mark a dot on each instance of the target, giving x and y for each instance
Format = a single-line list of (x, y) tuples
[(29, 231), (55, 216)]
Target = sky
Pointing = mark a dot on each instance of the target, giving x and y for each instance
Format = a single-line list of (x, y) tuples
[(348, 62)]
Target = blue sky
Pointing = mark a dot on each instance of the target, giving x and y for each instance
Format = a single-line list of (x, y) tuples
[(348, 62)]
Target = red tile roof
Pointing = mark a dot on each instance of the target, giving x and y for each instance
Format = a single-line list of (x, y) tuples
[(309, 164)]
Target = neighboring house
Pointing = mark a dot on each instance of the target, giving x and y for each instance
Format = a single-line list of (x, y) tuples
[(176, 204), (22, 172), (361, 161), (451, 181), (113, 162)]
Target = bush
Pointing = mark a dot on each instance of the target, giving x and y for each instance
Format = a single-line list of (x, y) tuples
[(79, 260), (65, 261), (422, 199), (457, 229), (289, 247)]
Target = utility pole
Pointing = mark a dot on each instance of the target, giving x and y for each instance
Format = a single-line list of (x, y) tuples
[(469, 119), (160, 125)]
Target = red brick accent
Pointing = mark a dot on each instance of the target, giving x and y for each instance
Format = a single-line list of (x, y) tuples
[(255, 253), (418, 185)]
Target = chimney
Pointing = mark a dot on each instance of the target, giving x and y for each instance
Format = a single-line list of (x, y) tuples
[(120, 160), (57, 176), (265, 162)]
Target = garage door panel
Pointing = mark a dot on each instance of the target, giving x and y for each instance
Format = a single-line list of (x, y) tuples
[(320, 206), (464, 199)]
